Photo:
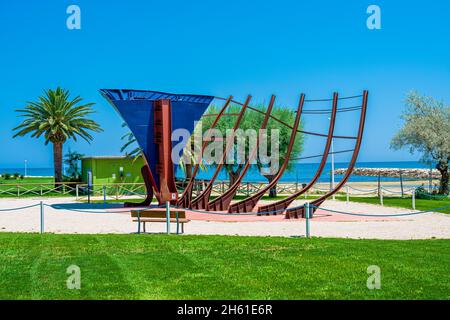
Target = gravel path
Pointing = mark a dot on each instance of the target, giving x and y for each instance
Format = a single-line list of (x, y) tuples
[(60, 219)]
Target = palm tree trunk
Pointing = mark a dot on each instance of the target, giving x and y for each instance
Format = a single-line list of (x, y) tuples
[(57, 161)]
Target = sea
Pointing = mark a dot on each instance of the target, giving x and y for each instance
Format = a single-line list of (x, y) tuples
[(300, 172)]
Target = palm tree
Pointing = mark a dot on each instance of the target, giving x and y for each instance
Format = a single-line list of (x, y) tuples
[(58, 119), (72, 158)]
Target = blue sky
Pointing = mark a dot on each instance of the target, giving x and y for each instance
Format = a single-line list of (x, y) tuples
[(221, 48)]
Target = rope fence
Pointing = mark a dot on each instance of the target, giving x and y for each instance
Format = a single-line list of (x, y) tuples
[(308, 210)]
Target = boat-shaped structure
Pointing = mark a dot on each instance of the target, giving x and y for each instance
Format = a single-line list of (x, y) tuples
[(152, 116)]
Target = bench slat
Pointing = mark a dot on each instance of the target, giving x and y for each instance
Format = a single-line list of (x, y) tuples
[(162, 220), (158, 214)]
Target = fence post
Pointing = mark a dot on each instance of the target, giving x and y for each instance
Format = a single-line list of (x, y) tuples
[(168, 217), (381, 196), (76, 191), (18, 191), (42, 217), (401, 183), (139, 221), (41, 189), (306, 211), (348, 197), (104, 194), (414, 198), (117, 192), (379, 184)]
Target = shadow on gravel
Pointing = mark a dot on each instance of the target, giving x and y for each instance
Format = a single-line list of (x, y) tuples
[(86, 206)]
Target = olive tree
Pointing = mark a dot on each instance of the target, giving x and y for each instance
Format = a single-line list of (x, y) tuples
[(426, 129), (253, 120)]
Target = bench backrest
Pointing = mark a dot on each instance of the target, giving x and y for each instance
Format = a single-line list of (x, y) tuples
[(158, 213)]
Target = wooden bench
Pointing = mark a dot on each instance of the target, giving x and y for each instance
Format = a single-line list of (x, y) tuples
[(159, 215)]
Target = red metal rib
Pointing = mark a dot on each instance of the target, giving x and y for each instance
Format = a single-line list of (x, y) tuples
[(296, 212), (249, 203), (186, 198), (302, 131), (148, 180), (201, 202), (223, 201), (283, 204)]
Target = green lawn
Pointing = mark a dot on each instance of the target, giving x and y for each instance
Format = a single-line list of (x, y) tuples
[(33, 266), (26, 180), (421, 204)]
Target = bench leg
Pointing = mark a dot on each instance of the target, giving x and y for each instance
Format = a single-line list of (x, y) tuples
[(182, 228), (144, 227)]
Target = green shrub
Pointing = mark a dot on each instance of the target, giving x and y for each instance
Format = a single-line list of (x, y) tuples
[(422, 193), (6, 176)]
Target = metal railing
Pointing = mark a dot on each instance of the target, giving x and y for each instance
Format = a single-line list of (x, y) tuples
[(122, 190)]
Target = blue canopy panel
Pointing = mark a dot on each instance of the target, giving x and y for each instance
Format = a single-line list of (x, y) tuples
[(136, 109)]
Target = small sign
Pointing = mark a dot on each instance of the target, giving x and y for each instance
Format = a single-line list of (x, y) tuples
[(89, 178), (174, 196)]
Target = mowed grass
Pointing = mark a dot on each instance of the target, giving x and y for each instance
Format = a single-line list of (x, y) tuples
[(26, 180), (33, 266), (421, 204)]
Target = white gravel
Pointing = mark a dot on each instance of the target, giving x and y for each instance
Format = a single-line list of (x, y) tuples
[(423, 226)]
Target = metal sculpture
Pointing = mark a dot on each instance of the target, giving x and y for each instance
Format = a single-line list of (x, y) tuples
[(152, 116), (186, 197), (223, 201), (249, 203), (299, 212), (283, 204), (201, 202)]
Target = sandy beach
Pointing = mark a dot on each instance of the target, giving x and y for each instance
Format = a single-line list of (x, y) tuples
[(64, 215)]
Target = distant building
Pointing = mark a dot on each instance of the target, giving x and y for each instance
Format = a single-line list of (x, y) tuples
[(112, 169)]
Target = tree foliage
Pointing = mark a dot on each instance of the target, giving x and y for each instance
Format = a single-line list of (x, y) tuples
[(57, 118), (253, 120), (426, 129)]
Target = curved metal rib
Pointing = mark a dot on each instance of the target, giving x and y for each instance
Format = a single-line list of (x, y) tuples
[(283, 204), (223, 201), (186, 198), (201, 202), (148, 178), (249, 203), (302, 131), (296, 212)]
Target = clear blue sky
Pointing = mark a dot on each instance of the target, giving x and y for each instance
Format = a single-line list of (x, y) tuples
[(221, 48)]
